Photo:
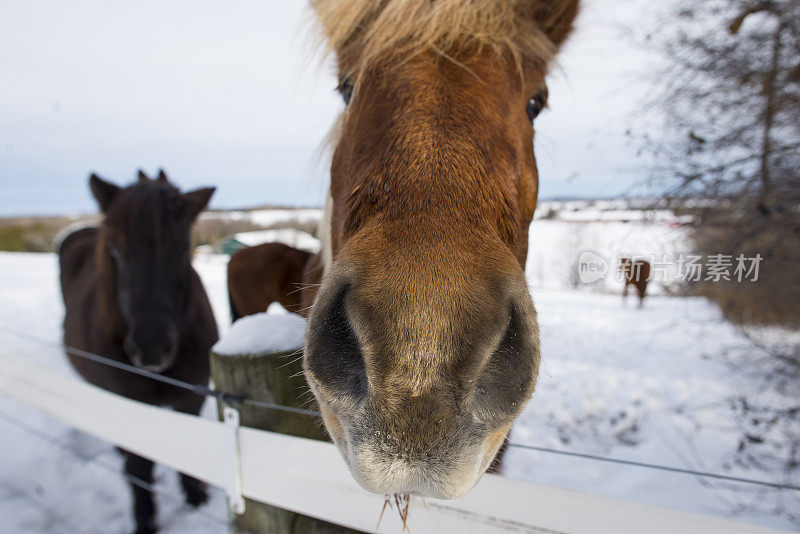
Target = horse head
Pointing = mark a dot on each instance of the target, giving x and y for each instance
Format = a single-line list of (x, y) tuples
[(423, 346), (145, 262)]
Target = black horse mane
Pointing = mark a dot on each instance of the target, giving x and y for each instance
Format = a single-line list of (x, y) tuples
[(148, 212)]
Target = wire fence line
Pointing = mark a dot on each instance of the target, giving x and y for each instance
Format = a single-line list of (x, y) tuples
[(197, 389), (110, 468), (235, 399), (634, 463)]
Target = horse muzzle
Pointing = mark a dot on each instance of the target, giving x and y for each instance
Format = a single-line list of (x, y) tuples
[(154, 351)]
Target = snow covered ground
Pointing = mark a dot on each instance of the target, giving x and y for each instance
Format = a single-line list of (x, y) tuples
[(652, 385), (268, 217)]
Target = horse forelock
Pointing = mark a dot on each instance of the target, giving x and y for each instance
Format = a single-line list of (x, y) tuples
[(362, 32), (147, 213)]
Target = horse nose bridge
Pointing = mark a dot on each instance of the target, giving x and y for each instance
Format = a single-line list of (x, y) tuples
[(153, 298), (435, 320)]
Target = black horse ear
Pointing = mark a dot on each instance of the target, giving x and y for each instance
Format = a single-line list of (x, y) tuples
[(162, 176), (104, 192), (142, 176), (196, 201)]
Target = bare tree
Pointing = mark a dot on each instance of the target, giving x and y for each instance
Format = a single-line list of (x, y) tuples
[(730, 99), (728, 89)]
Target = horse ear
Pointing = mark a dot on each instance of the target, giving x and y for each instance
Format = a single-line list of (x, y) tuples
[(556, 18), (104, 192), (142, 176), (162, 176), (196, 201)]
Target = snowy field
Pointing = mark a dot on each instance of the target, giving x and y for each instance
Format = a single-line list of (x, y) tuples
[(555, 245), (653, 385), (268, 217)]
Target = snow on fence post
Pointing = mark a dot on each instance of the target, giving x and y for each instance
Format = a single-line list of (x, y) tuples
[(260, 358)]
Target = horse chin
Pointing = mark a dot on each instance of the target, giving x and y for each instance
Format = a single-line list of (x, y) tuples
[(157, 367), (374, 472), (153, 365), (435, 479)]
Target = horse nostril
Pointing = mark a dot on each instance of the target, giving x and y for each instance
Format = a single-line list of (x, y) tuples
[(167, 350), (507, 380), (334, 354)]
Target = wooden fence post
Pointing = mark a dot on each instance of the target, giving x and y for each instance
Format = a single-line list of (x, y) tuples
[(260, 358)]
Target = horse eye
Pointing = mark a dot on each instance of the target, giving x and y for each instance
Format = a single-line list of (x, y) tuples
[(346, 90), (535, 106)]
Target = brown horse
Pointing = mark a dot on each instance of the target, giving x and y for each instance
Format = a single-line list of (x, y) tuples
[(263, 274), (422, 345), (132, 295), (636, 273)]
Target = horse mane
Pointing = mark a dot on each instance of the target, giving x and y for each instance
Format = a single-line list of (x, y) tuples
[(370, 30)]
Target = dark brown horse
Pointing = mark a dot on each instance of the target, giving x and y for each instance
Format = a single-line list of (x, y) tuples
[(261, 275), (422, 345), (636, 273), (132, 295)]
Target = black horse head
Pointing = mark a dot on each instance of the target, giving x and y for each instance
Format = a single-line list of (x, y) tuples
[(146, 235)]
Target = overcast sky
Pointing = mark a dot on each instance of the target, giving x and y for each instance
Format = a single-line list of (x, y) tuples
[(228, 94)]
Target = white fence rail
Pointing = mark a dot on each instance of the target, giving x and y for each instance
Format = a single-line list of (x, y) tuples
[(309, 477)]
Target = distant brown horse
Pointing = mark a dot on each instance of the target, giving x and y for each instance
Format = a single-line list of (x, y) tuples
[(422, 345), (263, 274), (636, 273), (132, 295)]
